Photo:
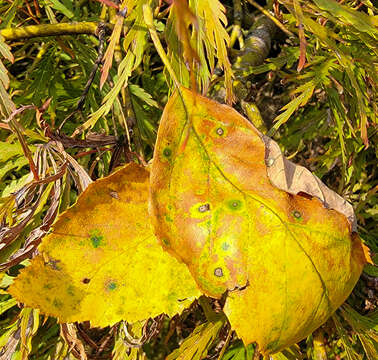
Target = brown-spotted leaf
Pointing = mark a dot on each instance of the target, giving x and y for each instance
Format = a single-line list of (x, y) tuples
[(286, 260), (102, 262)]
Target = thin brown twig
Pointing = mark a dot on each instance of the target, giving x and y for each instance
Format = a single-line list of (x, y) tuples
[(256, 354), (105, 340), (17, 129), (101, 31), (269, 15), (85, 153), (29, 8), (86, 337), (36, 7), (25, 12), (5, 127)]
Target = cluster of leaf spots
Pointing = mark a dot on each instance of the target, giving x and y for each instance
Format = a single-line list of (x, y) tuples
[(102, 263), (323, 123), (285, 261), (216, 210)]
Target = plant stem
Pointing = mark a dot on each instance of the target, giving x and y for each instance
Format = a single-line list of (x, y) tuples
[(236, 30), (32, 31), (18, 130), (225, 346), (320, 352), (148, 18)]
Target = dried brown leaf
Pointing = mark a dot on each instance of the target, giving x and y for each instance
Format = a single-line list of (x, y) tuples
[(68, 332), (296, 179)]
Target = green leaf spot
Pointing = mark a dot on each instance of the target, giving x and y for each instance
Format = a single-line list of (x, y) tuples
[(57, 303), (96, 238), (165, 242), (112, 286), (70, 290), (297, 215), (168, 218), (167, 152), (234, 204), (225, 246)]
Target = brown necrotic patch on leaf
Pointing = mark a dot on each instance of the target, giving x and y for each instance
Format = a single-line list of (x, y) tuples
[(102, 257), (295, 252)]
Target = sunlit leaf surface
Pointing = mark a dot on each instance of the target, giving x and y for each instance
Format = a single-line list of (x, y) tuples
[(102, 263), (286, 260)]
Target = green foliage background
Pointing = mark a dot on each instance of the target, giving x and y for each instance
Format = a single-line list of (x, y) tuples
[(313, 77)]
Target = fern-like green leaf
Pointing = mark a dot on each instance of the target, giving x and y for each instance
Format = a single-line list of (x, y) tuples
[(214, 21)]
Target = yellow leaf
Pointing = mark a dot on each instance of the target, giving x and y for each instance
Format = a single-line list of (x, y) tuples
[(102, 263), (286, 260)]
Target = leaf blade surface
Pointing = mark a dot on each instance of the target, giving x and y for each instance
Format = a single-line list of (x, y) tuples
[(284, 259), (102, 263)]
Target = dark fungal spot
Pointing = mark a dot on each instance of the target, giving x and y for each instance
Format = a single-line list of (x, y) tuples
[(167, 152), (219, 131), (85, 281), (70, 290), (114, 195), (234, 204), (57, 303), (53, 264), (297, 214), (204, 208), (218, 272), (165, 242)]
